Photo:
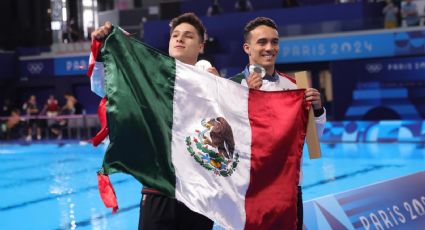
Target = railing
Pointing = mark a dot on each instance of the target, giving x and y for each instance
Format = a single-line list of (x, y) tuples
[(80, 127)]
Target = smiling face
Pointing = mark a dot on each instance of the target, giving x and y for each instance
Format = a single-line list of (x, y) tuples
[(262, 46), (185, 44)]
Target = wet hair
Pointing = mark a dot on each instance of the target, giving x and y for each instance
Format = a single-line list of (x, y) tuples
[(191, 19), (259, 21)]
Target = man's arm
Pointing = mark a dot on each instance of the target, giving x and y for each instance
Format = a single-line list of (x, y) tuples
[(313, 95), (320, 120)]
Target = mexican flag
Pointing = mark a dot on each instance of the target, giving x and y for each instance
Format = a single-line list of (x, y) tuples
[(225, 151)]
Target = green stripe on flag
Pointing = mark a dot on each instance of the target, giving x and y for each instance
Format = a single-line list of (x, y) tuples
[(139, 88)]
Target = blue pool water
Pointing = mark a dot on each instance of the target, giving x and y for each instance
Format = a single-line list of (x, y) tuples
[(54, 186)]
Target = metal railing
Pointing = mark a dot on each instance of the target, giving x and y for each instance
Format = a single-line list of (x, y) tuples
[(79, 127)]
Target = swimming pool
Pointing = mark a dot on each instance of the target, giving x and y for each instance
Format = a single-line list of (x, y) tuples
[(54, 186)]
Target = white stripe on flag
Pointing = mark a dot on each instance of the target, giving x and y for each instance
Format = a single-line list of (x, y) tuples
[(220, 198), (97, 79)]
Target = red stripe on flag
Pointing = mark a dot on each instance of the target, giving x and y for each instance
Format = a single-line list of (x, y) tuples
[(107, 192), (278, 123), (104, 131)]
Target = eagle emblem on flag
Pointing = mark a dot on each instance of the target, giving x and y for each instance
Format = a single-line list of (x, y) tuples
[(213, 146)]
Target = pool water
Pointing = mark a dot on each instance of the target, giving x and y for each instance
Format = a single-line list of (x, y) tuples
[(54, 186)]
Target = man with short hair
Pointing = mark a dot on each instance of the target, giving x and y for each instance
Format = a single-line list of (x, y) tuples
[(261, 44), (157, 211)]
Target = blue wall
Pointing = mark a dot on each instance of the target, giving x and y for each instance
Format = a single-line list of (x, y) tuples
[(379, 89), (227, 28), (230, 26), (8, 66), (200, 7)]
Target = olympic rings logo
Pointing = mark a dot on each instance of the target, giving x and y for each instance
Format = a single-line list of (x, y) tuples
[(374, 68), (35, 67)]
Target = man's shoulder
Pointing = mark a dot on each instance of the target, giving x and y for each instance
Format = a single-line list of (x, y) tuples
[(238, 77)]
